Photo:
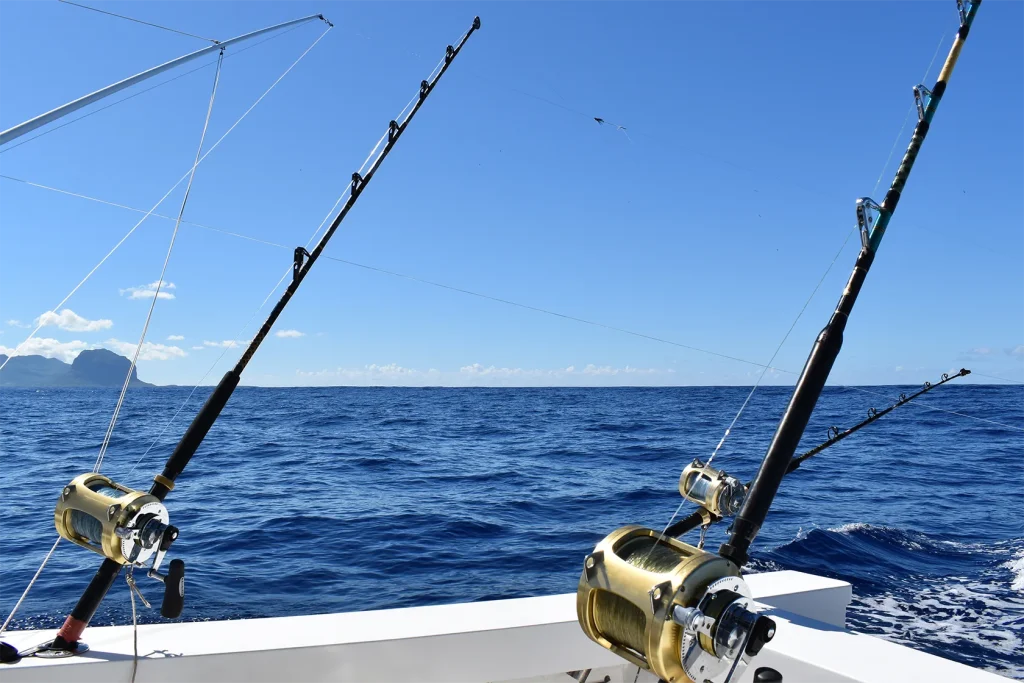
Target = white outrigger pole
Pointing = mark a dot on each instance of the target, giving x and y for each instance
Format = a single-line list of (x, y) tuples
[(65, 109)]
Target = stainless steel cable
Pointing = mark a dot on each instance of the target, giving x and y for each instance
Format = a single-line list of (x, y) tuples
[(140, 21), (167, 194), (163, 270), (31, 583)]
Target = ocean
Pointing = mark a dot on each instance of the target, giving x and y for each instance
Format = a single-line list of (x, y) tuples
[(314, 500)]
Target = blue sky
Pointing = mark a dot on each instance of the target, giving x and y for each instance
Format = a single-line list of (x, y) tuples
[(750, 131)]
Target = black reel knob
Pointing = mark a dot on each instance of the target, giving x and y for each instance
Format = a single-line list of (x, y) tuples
[(8, 653), (760, 634), (767, 675), (174, 590)]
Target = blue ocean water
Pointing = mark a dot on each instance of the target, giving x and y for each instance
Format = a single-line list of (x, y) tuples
[(320, 500)]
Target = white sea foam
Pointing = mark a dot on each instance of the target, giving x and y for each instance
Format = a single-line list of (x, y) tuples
[(1016, 567), (949, 611)]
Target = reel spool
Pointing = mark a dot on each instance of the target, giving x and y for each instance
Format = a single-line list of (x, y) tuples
[(677, 611), (124, 525), (714, 490)]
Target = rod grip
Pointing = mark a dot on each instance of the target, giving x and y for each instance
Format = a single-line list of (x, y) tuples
[(174, 590)]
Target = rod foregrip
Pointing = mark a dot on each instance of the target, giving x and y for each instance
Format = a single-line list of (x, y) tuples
[(194, 435)]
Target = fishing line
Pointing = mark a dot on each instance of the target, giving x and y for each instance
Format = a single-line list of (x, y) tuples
[(152, 87), (432, 283), (139, 21), (207, 374), (944, 410), (728, 429), (753, 389), (129, 578), (910, 111), (29, 586), (163, 270), (186, 175), (1004, 379)]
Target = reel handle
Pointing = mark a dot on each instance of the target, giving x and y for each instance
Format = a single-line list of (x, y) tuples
[(174, 590)]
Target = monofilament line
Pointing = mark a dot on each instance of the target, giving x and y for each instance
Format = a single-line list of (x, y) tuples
[(214, 146), (35, 576), (163, 271), (451, 288), (139, 21)]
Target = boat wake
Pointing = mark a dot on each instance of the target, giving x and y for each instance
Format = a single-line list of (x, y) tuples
[(955, 598)]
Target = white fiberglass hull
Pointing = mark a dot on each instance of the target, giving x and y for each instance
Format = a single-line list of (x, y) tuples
[(528, 639)]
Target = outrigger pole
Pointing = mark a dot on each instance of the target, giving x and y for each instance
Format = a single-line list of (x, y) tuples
[(826, 348), (163, 483), (65, 109)]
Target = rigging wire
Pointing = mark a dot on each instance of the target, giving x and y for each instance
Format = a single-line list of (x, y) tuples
[(163, 270), (31, 583), (139, 21), (180, 180), (207, 373), (145, 90), (192, 171), (489, 297), (451, 288)]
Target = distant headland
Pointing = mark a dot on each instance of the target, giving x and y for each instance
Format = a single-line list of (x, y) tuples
[(93, 368)]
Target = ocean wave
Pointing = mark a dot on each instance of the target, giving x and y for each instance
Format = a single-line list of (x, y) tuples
[(945, 596)]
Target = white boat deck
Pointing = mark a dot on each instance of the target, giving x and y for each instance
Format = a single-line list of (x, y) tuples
[(528, 639)]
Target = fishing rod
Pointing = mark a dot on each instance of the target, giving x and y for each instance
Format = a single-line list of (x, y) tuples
[(130, 527), (17, 131), (826, 348), (873, 415), (704, 517), (677, 610)]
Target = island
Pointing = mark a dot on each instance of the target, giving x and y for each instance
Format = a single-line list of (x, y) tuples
[(92, 368)]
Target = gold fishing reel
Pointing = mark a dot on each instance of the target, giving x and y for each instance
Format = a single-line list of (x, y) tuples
[(714, 490), (668, 607), (127, 526)]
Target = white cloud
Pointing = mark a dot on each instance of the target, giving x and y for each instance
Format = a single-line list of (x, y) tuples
[(606, 370), (289, 333), (370, 372), (49, 348), (198, 348), (477, 374), (150, 350), (71, 321), (68, 351), (147, 291), (1018, 351), (175, 337), (226, 344), (17, 323), (982, 350)]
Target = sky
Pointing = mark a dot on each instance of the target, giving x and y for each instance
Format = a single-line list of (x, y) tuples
[(703, 224)]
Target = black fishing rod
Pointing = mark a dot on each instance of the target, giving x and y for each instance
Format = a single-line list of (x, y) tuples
[(702, 516), (826, 348), (873, 415), (78, 500)]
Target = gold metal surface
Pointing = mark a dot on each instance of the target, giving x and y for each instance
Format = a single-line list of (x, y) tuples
[(629, 586), (164, 481), (91, 494)]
